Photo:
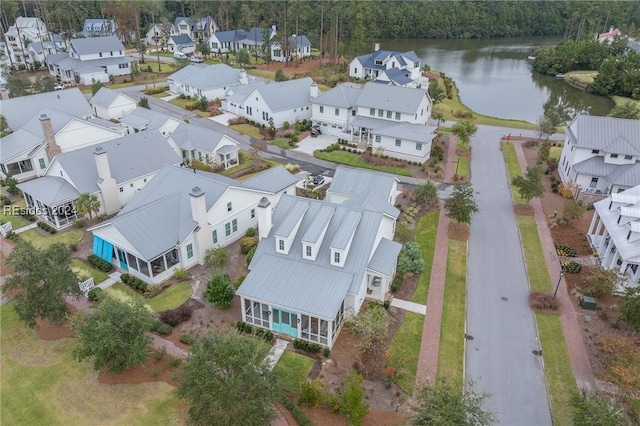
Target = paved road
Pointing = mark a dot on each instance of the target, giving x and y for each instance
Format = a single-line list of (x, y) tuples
[(500, 358)]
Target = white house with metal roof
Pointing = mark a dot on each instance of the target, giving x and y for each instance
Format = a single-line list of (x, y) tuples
[(205, 145), (99, 28), (317, 261), (297, 47), (615, 233), (210, 81), (181, 43), (20, 34), (387, 67), (39, 50), (181, 214), (90, 59), (261, 102), (236, 40), (111, 104), (27, 152), (349, 182), (142, 119), (601, 155), (196, 28), (392, 120), (114, 170)]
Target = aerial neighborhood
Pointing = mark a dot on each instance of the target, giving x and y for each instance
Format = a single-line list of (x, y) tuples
[(286, 213)]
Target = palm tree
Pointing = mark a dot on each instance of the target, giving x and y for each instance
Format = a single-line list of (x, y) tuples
[(88, 204), (440, 117)]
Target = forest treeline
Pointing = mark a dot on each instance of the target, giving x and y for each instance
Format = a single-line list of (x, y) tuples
[(357, 22)]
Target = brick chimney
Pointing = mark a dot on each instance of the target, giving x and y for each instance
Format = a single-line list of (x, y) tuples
[(52, 148)]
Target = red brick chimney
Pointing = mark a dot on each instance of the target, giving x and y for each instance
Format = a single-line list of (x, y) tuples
[(52, 148)]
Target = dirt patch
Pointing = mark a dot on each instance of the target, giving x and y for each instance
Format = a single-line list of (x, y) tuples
[(48, 330), (458, 231), (153, 370), (523, 210)]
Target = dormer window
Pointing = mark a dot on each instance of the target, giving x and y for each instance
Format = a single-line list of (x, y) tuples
[(280, 245), (614, 155), (595, 151), (336, 257), (628, 157)]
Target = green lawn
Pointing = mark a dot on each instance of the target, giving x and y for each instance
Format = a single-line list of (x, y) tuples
[(161, 95), (39, 241), (513, 169), (171, 298), (555, 152), (159, 80), (621, 100), (292, 369), (271, 75), (16, 220), (533, 255), (281, 143), (404, 350), (425, 236), (451, 354), (557, 367), (349, 159), (463, 167), (247, 129), (85, 271), (183, 102), (43, 385)]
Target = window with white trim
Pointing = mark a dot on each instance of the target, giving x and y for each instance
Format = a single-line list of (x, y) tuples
[(253, 213), (378, 138), (214, 236), (229, 206), (189, 251), (398, 142), (418, 147)]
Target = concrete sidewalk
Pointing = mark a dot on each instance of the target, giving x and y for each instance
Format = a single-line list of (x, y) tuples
[(409, 306)]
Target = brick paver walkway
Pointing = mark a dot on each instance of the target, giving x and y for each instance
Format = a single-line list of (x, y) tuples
[(573, 337), (430, 345)]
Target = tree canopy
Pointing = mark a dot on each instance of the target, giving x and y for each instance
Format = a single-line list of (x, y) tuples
[(88, 204), (461, 206), (530, 185), (464, 130), (40, 281), (226, 379)]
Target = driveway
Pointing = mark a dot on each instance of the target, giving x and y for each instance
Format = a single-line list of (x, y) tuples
[(309, 144), (501, 328)]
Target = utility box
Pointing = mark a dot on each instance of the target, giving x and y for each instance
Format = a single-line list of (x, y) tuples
[(588, 303)]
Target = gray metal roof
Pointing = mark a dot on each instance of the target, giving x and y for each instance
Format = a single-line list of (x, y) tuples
[(189, 136), (391, 98), (92, 65), (181, 39), (629, 250), (385, 257), (85, 46), (368, 60), (298, 93), (228, 149), (344, 95), (141, 116), (18, 111), (296, 286), (624, 175), (346, 230), (355, 263), (208, 76), (594, 132), (50, 190), (315, 230), (17, 143), (299, 41), (129, 157), (105, 96), (271, 180), (398, 76), (371, 200), (351, 181), (408, 131), (288, 224), (628, 175), (36, 46)]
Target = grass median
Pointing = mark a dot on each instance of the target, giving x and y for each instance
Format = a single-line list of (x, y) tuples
[(425, 236)]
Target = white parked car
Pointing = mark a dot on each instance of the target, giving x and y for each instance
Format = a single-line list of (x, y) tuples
[(195, 59), (59, 86), (179, 55)]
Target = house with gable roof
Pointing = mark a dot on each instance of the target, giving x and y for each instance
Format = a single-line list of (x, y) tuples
[(111, 104), (297, 47), (614, 234), (99, 28), (210, 81), (90, 59), (114, 170), (236, 40), (601, 155), (181, 214), (39, 50), (387, 67), (197, 29), (609, 36), (181, 43), (158, 34), (261, 102), (143, 119), (317, 261), (391, 119), (205, 145), (19, 35)]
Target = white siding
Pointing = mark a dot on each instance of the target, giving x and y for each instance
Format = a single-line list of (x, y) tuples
[(81, 133)]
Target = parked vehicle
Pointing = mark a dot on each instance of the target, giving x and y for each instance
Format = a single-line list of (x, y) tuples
[(317, 180), (59, 86), (195, 59), (179, 55)]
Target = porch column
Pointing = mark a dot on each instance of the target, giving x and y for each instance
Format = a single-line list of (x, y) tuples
[(330, 333), (593, 223), (623, 266), (602, 245), (614, 259)]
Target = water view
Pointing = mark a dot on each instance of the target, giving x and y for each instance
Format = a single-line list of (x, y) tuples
[(494, 78)]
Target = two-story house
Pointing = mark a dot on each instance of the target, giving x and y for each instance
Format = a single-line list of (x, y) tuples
[(158, 34), (181, 214), (236, 40), (22, 33), (387, 67), (99, 28), (614, 233), (209, 81), (262, 102), (392, 120), (90, 59), (114, 170), (601, 155), (181, 43), (197, 29), (297, 47), (38, 51), (317, 261), (204, 145)]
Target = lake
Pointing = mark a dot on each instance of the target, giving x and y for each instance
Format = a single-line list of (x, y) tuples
[(494, 77)]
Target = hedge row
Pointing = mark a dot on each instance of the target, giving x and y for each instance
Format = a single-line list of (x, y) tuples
[(135, 283), (243, 327), (303, 345), (50, 229), (99, 263)]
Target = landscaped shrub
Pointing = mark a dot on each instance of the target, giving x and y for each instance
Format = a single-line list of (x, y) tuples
[(298, 414), (50, 229), (570, 267), (239, 281), (249, 255), (80, 223), (220, 291), (156, 90), (180, 273), (99, 263), (565, 251), (187, 339), (135, 283), (247, 243), (164, 329), (437, 153), (397, 282), (174, 362), (303, 345), (286, 125), (541, 301), (313, 394), (95, 294), (262, 333), (176, 316), (251, 232)]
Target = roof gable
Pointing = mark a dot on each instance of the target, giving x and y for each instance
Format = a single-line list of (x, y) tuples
[(86, 46), (594, 132), (392, 98)]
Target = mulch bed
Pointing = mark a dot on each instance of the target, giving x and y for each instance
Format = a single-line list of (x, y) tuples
[(151, 371), (458, 232), (47, 330)]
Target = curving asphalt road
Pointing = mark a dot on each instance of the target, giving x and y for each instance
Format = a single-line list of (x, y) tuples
[(501, 329)]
